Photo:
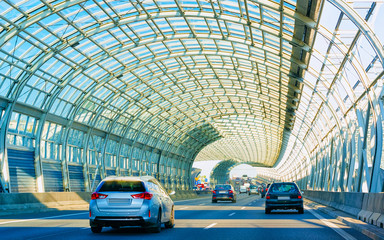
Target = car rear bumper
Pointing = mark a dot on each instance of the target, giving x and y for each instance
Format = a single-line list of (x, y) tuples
[(120, 221), (287, 205), (223, 197)]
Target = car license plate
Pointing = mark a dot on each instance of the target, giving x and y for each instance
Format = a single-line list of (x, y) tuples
[(120, 201), (222, 192), (283, 198)]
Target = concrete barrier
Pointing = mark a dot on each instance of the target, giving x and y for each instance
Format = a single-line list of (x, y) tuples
[(34, 202), (368, 207), (28, 201)]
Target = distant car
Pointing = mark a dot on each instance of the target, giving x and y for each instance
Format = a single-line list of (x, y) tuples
[(243, 189), (131, 201), (263, 191), (223, 192), (253, 190), (285, 195)]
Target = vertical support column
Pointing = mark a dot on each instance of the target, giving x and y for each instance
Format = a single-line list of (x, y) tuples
[(103, 173), (353, 155), (87, 180), (363, 125), (376, 185), (38, 162), (5, 177), (64, 161), (327, 169), (343, 161)]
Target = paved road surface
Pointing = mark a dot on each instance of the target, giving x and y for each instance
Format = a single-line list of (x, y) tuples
[(197, 219)]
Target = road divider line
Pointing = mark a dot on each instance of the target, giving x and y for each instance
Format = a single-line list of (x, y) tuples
[(243, 208), (183, 208), (333, 226), (34, 219), (210, 226), (232, 214)]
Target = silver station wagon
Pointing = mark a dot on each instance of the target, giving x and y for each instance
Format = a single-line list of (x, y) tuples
[(131, 201)]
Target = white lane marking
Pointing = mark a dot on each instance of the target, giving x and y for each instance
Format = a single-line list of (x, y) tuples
[(202, 204), (210, 226), (232, 214), (34, 219), (191, 200), (335, 228), (183, 208), (243, 208)]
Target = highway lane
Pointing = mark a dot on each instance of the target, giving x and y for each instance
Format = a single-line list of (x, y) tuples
[(195, 219)]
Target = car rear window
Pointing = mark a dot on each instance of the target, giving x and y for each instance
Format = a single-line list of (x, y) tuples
[(122, 186), (283, 188), (223, 187)]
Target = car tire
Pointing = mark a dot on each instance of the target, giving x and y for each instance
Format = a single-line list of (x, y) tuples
[(171, 222), (214, 201), (301, 210), (267, 211), (96, 229), (157, 227), (234, 201)]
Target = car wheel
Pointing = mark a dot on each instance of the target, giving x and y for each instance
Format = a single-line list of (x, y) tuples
[(96, 229), (157, 227), (214, 201), (233, 201), (171, 222), (301, 210), (267, 211)]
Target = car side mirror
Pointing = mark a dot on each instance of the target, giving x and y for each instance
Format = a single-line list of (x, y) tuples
[(171, 193)]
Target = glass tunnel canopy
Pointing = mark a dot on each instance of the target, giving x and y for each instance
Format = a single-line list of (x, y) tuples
[(144, 87)]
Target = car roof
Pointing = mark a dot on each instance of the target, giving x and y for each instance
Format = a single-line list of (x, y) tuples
[(130, 178)]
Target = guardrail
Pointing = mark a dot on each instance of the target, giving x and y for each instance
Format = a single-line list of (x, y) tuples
[(368, 207)]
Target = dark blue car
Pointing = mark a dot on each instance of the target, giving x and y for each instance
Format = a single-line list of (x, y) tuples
[(223, 192)]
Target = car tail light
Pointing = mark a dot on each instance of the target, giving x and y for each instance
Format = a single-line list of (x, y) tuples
[(299, 197), (144, 195), (149, 213), (268, 197), (90, 213), (96, 195), (266, 189), (230, 191), (214, 192), (214, 197)]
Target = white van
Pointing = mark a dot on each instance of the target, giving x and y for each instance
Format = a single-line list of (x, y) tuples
[(243, 189)]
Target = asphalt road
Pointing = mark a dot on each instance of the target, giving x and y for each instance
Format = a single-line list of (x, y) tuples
[(197, 219)]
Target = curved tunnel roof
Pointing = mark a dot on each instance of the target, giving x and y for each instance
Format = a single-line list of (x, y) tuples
[(245, 79)]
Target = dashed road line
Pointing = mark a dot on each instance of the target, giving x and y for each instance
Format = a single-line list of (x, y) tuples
[(232, 214), (210, 226), (243, 208), (183, 208)]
